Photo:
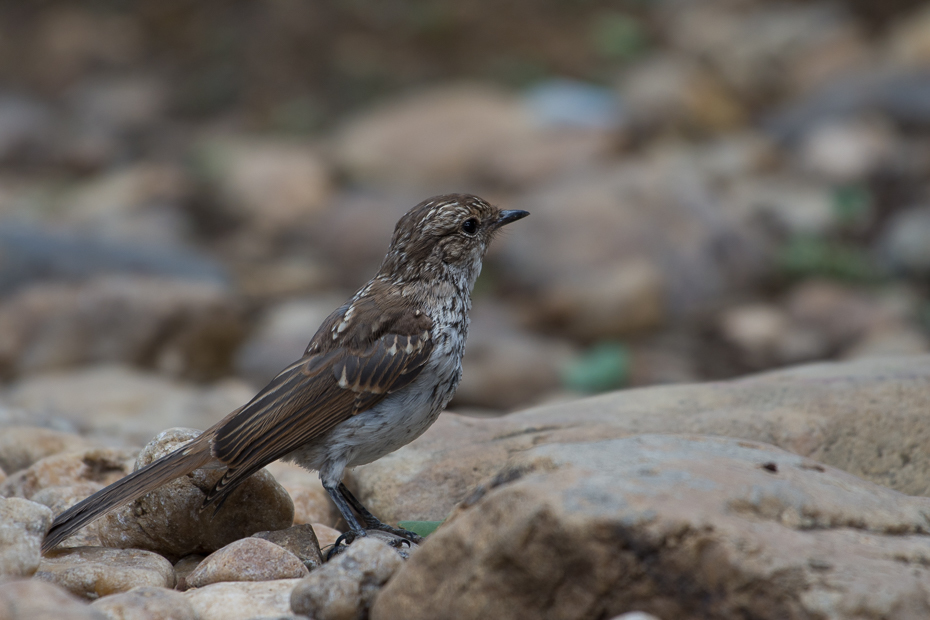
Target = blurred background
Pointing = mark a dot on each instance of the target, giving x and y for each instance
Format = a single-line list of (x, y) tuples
[(717, 187)]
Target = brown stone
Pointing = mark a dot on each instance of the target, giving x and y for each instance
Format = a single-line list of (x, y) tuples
[(93, 572), (300, 540), (248, 559), (169, 520)]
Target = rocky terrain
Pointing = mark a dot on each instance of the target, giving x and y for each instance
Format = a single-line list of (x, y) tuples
[(697, 376)]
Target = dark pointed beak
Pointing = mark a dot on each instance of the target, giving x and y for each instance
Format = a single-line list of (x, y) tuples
[(510, 216)]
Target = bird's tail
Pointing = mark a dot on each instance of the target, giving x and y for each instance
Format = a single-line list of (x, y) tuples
[(125, 490)]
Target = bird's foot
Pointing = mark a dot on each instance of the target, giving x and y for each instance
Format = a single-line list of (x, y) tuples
[(342, 543), (395, 537), (406, 535)]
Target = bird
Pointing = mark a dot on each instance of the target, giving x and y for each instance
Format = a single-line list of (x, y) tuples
[(376, 374)]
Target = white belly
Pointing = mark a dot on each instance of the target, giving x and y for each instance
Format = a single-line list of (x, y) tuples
[(394, 422)]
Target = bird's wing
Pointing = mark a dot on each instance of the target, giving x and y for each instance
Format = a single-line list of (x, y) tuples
[(343, 373)]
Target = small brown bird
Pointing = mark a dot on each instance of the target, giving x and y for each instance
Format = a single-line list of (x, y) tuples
[(375, 376)]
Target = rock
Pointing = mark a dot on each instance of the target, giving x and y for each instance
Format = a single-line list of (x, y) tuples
[(891, 342), (765, 336), (299, 540), (93, 572), (764, 50), (908, 39), (183, 328), (325, 535), (899, 95), (312, 503), (22, 527), (33, 255), (21, 446), (674, 92), (905, 241), (169, 520), (184, 567), (610, 525), (281, 336), (841, 316), (635, 615), (638, 245), (25, 128), (847, 151), (269, 186), (146, 603), (92, 468), (142, 202), (248, 559), (124, 402), (793, 206), (865, 416), (346, 587), (242, 600), (432, 138), (36, 600)]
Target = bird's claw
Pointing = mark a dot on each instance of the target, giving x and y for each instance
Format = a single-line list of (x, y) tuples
[(401, 538)]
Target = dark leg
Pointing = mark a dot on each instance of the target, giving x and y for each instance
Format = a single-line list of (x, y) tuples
[(371, 521), (355, 528)]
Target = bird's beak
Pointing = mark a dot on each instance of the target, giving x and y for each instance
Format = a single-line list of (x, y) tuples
[(510, 216)]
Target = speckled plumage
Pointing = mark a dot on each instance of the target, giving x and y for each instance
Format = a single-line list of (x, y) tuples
[(375, 376)]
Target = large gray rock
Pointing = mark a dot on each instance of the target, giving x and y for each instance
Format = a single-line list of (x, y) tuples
[(22, 527), (93, 572), (345, 588), (681, 526), (867, 417), (169, 520)]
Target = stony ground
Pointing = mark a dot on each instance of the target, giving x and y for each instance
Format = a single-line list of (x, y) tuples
[(794, 494), (722, 188)]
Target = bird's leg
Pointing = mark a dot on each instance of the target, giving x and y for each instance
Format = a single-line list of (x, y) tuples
[(355, 528), (372, 522)]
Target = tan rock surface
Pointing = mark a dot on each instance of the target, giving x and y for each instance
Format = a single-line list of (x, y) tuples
[(867, 417), (22, 527), (169, 520), (300, 540), (93, 572), (92, 468), (121, 401), (31, 599), (146, 603), (680, 526), (242, 600), (248, 559), (21, 446)]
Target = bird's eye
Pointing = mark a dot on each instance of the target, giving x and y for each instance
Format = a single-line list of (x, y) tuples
[(470, 226)]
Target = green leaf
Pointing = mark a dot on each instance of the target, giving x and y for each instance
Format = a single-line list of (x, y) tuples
[(604, 366), (423, 528)]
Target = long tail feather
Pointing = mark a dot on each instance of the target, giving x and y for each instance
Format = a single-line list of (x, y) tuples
[(125, 490)]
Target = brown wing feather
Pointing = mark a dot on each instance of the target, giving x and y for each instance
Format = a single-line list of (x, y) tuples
[(330, 384)]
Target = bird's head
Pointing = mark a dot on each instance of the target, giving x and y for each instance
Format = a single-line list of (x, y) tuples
[(445, 234)]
